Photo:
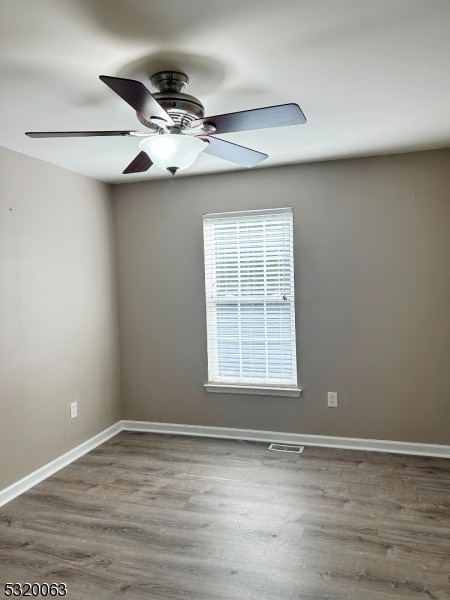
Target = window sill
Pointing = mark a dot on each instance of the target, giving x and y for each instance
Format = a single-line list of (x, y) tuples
[(253, 390)]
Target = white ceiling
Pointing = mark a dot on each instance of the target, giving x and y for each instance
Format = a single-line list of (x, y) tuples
[(371, 77)]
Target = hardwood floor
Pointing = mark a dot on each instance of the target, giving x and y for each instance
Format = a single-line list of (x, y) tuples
[(180, 518)]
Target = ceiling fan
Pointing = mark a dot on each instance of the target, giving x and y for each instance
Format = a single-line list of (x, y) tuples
[(179, 131)]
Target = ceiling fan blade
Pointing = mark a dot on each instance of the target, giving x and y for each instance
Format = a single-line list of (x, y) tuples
[(246, 157), (140, 164), (55, 134), (138, 97), (258, 118)]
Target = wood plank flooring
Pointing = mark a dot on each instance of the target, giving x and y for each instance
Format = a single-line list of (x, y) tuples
[(179, 518)]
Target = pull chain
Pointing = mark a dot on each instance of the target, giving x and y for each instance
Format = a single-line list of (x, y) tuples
[(172, 172)]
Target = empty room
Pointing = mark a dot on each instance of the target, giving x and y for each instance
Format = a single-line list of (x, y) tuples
[(225, 299)]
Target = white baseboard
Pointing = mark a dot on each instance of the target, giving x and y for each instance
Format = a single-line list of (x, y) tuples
[(255, 435), (52, 467)]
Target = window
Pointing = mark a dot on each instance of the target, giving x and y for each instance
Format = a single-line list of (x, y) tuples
[(250, 309)]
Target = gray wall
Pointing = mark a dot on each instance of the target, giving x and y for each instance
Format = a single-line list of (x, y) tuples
[(58, 313), (372, 250)]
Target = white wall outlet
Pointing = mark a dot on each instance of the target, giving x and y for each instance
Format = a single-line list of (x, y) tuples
[(332, 399), (73, 410)]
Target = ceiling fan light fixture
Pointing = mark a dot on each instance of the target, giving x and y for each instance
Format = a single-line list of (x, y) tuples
[(172, 152)]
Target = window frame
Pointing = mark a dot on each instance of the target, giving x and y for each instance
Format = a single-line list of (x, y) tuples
[(262, 386)]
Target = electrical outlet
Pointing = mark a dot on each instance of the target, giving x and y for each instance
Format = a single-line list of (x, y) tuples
[(73, 410), (332, 399)]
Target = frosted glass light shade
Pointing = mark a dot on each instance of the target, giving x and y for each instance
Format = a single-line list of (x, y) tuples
[(172, 151)]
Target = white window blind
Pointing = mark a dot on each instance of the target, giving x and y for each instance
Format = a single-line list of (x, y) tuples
[(249, 280)]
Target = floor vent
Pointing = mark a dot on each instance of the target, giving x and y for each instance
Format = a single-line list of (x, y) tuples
[(284, 448)]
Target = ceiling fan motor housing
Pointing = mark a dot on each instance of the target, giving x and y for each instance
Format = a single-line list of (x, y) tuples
[(182, 108)]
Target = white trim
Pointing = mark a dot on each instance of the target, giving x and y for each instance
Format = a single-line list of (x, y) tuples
[(413, 448), (29, 481), (255, 390)]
